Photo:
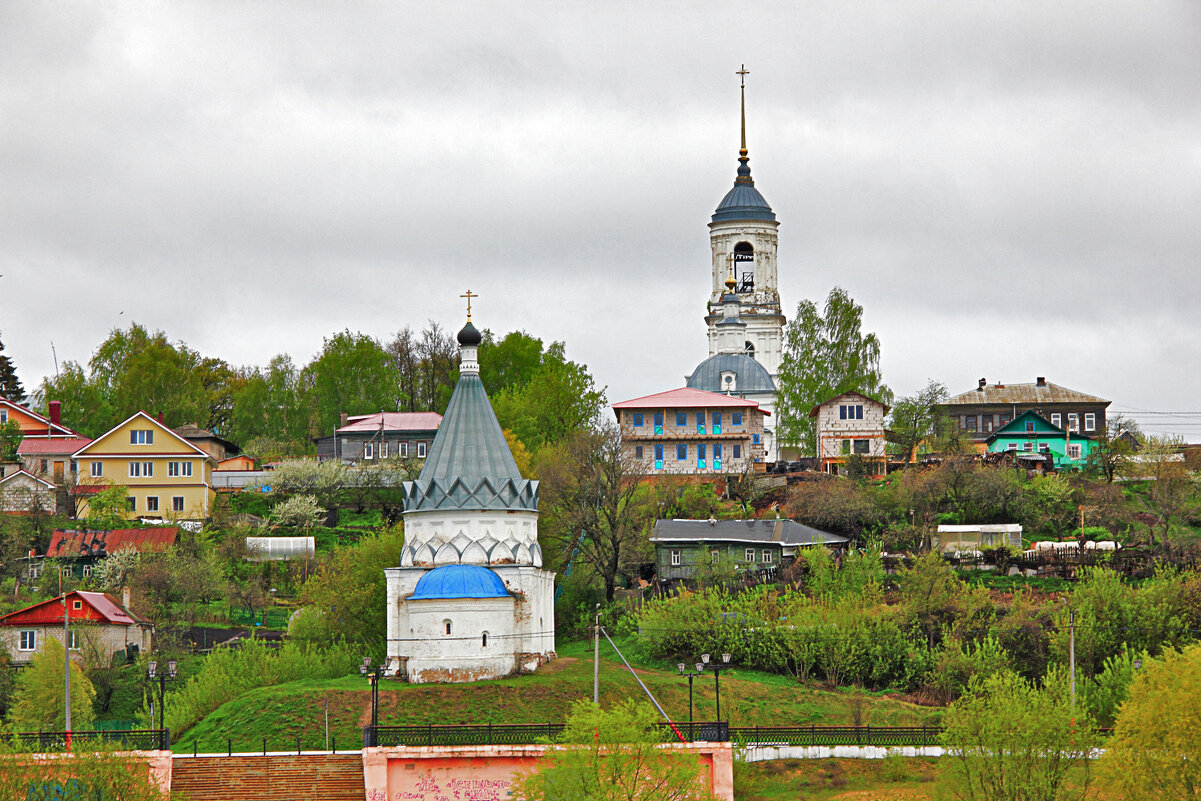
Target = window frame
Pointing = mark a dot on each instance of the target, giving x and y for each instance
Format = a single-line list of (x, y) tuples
[(151, 503), (1057, 419), (750, 555), (96, 469), (177, 503), (681, 419), (422, 450), (766, 556), (681, 451), (636, 420), (27, 640), (677, 557), (1090, 421), (735, 418)]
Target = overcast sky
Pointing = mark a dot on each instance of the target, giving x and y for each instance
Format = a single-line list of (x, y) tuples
[(1009, 189)]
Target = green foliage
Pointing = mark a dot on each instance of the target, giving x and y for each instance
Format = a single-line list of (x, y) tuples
[(825, 355), (558, 400), (107, 508), (37, 701), (300, 512), (10, 440), (101, 771), (1155, 751), (1105, 693), (354, 374), (613, 756), (1010, 740), (914, 419), (10, 385), (228, 672), (348, 590)]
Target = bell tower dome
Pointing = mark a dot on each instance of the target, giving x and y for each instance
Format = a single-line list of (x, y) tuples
[(742, 236)]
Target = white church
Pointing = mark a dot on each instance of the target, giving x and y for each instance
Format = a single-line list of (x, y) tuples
[(744, 317), (470, 599)]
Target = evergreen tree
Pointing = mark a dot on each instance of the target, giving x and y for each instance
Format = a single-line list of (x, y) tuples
[(10, 385), (825, 355), (37, 703)]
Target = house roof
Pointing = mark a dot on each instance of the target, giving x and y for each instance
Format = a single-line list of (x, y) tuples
[(153, 422), (51, 446), (1034, 393), (813, 412), (751, 375), (61, 429), (1017, 428), (459, 581), (392, 421), (192, 431), (27, 474), (785, 532), (686, 398), (104, 606), (72, 543)]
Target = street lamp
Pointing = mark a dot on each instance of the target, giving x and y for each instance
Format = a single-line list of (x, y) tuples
[(373, 676), (152, 674), (717, 669), (690, 677)]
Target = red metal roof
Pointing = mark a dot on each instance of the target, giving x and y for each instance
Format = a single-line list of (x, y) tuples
[(97, 606), (686, 397), (102, 543), (393, 421), (51, 446)]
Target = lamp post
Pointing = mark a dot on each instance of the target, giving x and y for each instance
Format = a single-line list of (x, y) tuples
[(690, 677), (170, 675), (717, 669), (373, 676)]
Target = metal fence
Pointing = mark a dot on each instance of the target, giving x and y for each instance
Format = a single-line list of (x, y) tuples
[(133, 739), (489, 734)]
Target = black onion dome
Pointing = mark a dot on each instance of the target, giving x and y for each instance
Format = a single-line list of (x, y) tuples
[(470, 336)]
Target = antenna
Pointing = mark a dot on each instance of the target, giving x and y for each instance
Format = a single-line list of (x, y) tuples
[(55, 354)]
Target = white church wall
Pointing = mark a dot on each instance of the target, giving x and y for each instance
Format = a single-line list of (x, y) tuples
[(534, 613), (462, 654)]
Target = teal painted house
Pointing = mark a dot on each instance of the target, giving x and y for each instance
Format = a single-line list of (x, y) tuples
[(1034, 440)]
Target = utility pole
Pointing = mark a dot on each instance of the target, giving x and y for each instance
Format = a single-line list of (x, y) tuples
[(596, 659), (67, 657), (1072, 652)]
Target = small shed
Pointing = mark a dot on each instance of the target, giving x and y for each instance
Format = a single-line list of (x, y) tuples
[(978, 537)]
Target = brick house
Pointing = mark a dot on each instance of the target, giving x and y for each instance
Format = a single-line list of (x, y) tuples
[(847, 424)]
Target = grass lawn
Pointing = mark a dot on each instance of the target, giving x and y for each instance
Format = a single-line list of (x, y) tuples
[(892, 779), (284, 712)]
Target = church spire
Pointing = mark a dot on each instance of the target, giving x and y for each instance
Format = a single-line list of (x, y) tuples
[(744, 169)]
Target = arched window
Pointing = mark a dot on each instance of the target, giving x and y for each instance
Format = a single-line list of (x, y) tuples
[(744, 266), (446, 625), (750, 349), (484, 640)]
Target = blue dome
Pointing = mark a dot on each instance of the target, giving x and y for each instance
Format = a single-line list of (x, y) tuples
[(459, 581), (752, 376)]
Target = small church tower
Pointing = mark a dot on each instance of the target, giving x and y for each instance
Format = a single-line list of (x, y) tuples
[(470, 599), (742, 236)]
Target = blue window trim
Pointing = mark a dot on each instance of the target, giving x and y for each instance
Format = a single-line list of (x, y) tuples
[(681, 418), (736, 418), (681, 451), (638, 419)]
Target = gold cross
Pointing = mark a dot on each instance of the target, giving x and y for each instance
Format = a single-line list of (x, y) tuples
[(469, 296), (743, 73)]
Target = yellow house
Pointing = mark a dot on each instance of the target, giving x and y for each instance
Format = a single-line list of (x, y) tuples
[(166, 475)]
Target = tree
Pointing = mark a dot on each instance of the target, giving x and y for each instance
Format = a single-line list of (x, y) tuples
[(37, 703), (10, 385), (825, 355), (346, 594), (300, 512), (915, 418), (10, 440), (1009, 740), (353, 374), (107, 508), (589, 491), (101, 770), (1113, 447), (613, 756), (1171, 495), (1155, 751), (558, 399), (269, 417)]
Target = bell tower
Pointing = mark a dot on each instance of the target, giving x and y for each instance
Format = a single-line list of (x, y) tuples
[(742, 236)]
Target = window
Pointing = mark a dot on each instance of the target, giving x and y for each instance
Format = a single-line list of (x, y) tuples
[(1044, 447), (45, 465), (403, 449), (700, 451), (420, 450), (846, 447), (681, 419), (1027, 446), (74, 639), (65, 572), (677, 557), (735, 418), (34, 571), (737, 451), (138, 469), (152, 504), (766, 556), (177, 503), (681, 451), (369, 450), (658, 422), (714, 555), (1013, 446), (755, 439), (716, 454), (383, 450), (1074, 451), (850, 411), (1057, 420), (96, 469), (863, 446), (987, 422), (484, 640), (132, 503), (716, 422), (750, 554), (659, 456), (637, 421), (1029, 426), (87, 570), (3, 416), (446, 626), (969, 422), (179, 468), (77, 605), (1073, 421), (141, 437), (637, 451), (29, 641), (1090, 421)]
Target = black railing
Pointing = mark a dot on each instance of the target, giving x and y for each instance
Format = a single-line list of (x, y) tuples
[(837, 735), (488, 734), (133, 739)]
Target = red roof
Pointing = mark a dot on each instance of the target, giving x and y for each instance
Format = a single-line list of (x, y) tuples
[(97, 606), (51, 446), (393, 421), (687, 398), (40, 418), (102, 543)]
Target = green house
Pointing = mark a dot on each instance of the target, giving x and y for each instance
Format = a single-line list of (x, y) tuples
[(682, 546), (1035, 440)]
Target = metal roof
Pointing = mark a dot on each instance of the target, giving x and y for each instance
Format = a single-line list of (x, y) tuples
[(459, 581), (51, 446), (743, 201), (70, 543), (752, 376), (785, 532), (1033, 393), (685, 398), (392, 422)]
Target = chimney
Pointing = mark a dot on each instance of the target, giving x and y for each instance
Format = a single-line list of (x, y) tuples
[(983, 384), (56, 412), (160, 418), (343, 418), (125, 598), (1042, 381)]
